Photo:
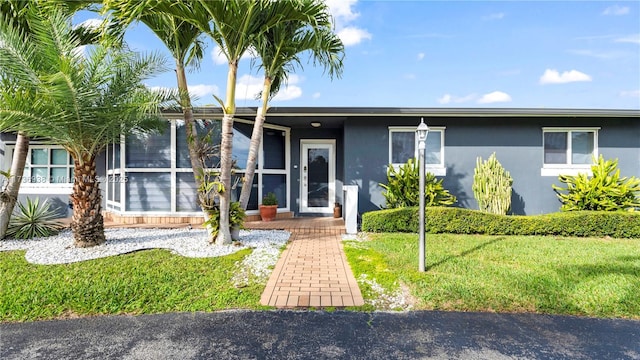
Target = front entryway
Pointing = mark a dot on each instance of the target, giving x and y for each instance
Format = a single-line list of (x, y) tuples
[(318, 176)]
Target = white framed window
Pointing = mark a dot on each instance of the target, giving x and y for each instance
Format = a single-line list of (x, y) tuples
[(48, 167), (403, 145), (568, 151)]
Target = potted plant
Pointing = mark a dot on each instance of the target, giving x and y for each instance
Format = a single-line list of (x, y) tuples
[(269, 207)]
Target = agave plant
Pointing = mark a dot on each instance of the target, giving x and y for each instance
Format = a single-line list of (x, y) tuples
[(34, 220)]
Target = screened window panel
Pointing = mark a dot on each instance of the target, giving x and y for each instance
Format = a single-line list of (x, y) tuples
[(39, 157), (273, 145), (433, 148), (241, 143), (116, 188), (149, 150), (110, 181), (582, 146), (148, 191), (59, 175), (403, 145), (210, 128), (39, 175), (187, 196), (253, 198), (555, 148), (59, 157), (275, 183)]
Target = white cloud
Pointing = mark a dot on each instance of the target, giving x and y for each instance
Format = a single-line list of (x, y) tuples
[(342, 11), (291, 90), (344, 14), (494, 97), (420, 56), (90, 24), (220, 59), (451, 99), (634, 39), (249, 87), (495, 16), (552, 76), (316, 95), (202, 90), (353, 35), (616, 10), (630, 93), (409, 76)]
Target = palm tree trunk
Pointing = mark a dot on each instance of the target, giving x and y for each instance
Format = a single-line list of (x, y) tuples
[(226, 153), (254, 145), (87, 223), (9, 196)]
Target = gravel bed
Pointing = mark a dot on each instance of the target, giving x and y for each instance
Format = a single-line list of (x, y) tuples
[(59, 249)]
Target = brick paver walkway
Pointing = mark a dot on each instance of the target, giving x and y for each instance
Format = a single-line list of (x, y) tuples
[(312, 272)]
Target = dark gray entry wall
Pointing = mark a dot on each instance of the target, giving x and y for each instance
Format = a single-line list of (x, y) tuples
[(517, 142)]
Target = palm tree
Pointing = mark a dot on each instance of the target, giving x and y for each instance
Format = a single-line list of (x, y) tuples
[(184, 41), (81, 102), (16, 12), (233, 25), (279, 50)]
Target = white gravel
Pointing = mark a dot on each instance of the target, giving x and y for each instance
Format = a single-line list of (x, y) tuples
[(59, 249)]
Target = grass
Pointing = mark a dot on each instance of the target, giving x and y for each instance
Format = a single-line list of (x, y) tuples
[(151, 281), (574, 276)]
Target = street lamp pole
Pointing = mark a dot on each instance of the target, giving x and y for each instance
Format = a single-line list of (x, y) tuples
[(422, 131)]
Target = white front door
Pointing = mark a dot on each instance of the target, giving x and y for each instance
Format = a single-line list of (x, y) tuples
[(317, 176)]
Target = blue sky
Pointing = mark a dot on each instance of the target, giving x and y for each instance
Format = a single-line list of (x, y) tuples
[(539, 54)]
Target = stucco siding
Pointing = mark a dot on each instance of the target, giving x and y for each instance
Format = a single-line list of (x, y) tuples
[(517, 142)]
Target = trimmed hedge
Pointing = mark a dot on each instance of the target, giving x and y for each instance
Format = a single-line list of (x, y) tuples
[(465, 221)]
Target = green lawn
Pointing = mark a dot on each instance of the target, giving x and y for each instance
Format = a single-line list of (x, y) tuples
[(578, 276), (151, 281)]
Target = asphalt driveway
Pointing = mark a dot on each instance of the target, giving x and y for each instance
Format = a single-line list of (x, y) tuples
[(323, 335)]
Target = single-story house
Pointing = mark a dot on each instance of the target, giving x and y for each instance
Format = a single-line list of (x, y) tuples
[(309, 153)]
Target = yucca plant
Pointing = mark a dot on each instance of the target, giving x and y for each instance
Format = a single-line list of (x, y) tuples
[(605, 190), (403, 187), (34, 220)]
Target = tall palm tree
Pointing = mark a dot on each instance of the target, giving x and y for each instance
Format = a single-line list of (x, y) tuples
[(233, 25), (81, 102), (184, 41), (279, 50)]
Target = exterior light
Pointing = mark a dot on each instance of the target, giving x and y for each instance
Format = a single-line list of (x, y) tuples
[(316, 124), (422, 131)]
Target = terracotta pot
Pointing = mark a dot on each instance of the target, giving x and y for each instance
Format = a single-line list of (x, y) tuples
[(268, 212), (337, 211)]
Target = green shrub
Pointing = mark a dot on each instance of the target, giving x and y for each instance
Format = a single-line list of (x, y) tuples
[(33, 220), (604, 191), (236, 218), (465, 221), (403, 187), (492, 186), (270, 199)]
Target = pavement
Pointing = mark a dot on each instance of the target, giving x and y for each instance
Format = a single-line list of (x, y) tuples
[(323, 335)]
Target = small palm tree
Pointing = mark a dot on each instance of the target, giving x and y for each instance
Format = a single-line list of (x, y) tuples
[(279, 49), (17, 13), (81, 102)]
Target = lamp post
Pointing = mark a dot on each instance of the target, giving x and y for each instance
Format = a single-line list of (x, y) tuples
[(422, 132)]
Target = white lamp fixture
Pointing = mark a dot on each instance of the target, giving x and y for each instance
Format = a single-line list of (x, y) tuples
[(316, 124), (422, 131)]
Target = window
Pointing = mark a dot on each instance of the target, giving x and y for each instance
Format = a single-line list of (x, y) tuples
[(45, 165), (569, 151), (403, 145)]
